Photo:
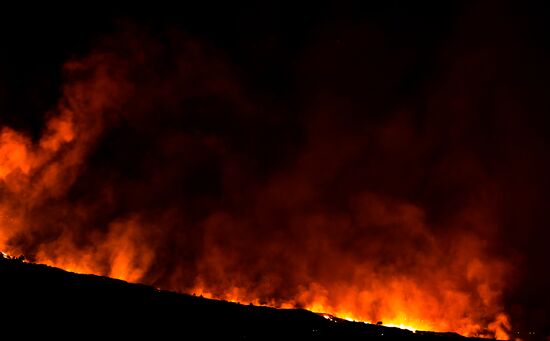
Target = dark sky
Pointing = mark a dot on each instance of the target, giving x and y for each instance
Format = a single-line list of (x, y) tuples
[(275, 114), (266, 42)]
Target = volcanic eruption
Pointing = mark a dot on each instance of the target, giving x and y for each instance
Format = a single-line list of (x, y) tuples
[(369, 192)]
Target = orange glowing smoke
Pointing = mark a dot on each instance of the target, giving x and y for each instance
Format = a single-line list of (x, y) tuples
[(34, 172), (445, 288), (362, 255)]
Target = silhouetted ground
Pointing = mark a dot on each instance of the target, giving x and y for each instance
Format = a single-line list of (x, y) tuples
[(37, 300)]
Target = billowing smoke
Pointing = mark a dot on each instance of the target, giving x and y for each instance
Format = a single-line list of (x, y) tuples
[(367, 200)]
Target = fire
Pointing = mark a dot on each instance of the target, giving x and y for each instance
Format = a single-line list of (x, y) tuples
[(327, 316), (418, 319), (497, 329), (403, 326), (109, 188)]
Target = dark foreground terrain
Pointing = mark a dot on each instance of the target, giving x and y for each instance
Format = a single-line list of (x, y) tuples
[(41, 301)]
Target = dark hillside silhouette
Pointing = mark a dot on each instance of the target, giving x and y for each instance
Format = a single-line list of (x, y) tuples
[(38, 300)]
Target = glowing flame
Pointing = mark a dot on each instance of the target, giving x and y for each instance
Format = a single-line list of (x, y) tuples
[(350, 319), (402, 326), (371, 257), (497, 328)]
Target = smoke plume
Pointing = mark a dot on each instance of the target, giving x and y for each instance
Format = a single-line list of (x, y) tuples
[(369, 201)]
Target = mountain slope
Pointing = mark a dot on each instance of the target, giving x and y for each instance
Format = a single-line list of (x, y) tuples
[(37, 300)]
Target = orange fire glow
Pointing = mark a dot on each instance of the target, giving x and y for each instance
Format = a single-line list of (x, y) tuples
[(379, 259), (400, 311)]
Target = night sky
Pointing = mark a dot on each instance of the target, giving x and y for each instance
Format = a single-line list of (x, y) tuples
[(287, 150)]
